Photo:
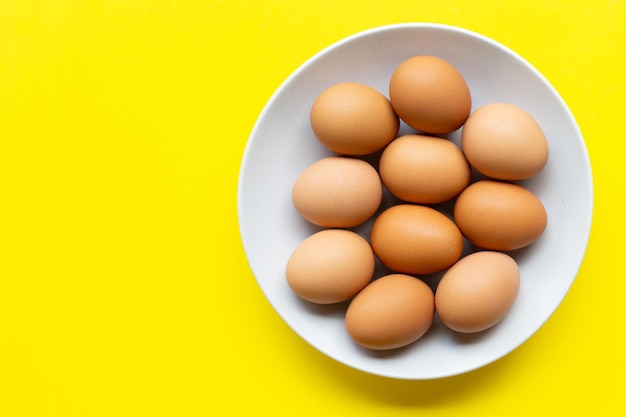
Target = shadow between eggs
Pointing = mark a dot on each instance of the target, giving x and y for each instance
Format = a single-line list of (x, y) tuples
[(324, 310)]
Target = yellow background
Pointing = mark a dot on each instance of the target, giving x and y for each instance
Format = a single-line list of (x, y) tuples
[(124, 288)]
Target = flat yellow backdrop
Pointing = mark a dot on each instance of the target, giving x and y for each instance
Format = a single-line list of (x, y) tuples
[(124, 288)]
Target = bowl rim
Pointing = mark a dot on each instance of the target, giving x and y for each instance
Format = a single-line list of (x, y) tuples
[(372, 32)]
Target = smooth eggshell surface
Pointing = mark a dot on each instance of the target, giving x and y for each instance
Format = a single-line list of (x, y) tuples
[(415, 239), (478, 291), (430, 94), (338, 192), (353, 119), (391, 312), (424, 169), (503, 141), (499, 215), (330, 266)]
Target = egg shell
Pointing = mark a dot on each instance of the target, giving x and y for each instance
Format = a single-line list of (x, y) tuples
[(430, 94), (415, 239), (391, 312), (503, 141), (330, 266), (499, 215), (424, 169), (353, 119), (478, 291), (338, 192)]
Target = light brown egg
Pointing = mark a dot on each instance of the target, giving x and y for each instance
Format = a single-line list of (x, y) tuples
[(330, 266), (337, 192), (503, 141), (478, 291), (499, 215), (415, 239), (391, 312), (430, 94), (353, 119), (424, 169)]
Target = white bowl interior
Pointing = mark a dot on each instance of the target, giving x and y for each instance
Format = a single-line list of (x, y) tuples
[(282, 145)]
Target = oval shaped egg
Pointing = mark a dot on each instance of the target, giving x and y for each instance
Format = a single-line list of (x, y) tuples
[(499, 215), (337, 192), (503, 141), (477, 292), (391, 312), (415, 239), (330, 266), (430, 94), (424, 169), (353, 119)]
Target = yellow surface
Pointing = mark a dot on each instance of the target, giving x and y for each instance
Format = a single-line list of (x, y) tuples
[(124, 288)]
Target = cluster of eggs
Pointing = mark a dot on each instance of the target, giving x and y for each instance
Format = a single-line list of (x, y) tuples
[(412, 237)]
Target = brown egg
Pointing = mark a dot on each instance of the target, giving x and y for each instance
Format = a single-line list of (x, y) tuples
[(330, 266), (338, 192), (391, 312), (424, 169), (353, 119), (477, 292), (430, 94), (415, 239), (499, 215), (503, 141)]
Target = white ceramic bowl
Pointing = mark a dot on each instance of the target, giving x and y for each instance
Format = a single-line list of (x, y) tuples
[(282, 144)]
